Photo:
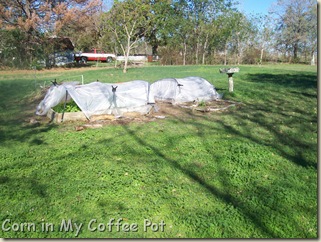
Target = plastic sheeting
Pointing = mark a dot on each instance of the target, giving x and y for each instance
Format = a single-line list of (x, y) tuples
[(136, 96), (55, 95), (101, 98), (179, 90)]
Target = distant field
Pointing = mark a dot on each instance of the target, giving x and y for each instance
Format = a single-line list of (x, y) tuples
[(247, 172)]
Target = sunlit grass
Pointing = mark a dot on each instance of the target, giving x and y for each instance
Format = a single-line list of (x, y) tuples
[(249, 172)]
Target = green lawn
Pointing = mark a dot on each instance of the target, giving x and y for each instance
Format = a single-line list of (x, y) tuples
[(249, 172)]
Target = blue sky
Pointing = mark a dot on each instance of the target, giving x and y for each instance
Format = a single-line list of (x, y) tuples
[(246, 6), (255, 6)]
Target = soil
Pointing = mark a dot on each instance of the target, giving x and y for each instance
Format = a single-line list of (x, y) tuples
[(165, 110)]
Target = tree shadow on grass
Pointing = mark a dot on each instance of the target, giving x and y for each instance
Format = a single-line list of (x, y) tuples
[(18, 121), (299, 89), (242, 120), (226, 195), (300, 81), (290, 146), (31, 184), (282, 143), (216, 192), (22, 131)]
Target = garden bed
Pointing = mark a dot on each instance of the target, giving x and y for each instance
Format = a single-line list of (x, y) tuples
[(164, 110), (67, 116)]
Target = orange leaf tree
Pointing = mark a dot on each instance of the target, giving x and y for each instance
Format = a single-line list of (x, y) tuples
[(36, 20)]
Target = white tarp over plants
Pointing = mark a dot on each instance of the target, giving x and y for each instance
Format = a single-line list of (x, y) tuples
[(55, 95), (179, 90), (101, 98), (135, 96)]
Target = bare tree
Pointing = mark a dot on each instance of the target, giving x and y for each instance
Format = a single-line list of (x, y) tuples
[(128, 21), (296, 25)]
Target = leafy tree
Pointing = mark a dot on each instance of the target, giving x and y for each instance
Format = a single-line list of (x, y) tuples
[(226, 23), (42, 16), (128, 21), (242, 35), (162, 20), (296, 26), (38, 19), (201, 14), (263, 34), (12, 49), (311, 41)]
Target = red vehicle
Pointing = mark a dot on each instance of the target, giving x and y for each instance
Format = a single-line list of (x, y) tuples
[(94, 55)]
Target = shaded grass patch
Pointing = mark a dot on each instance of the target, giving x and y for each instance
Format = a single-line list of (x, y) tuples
[(249, 172)]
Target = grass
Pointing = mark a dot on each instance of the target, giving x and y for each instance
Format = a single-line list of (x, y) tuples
[(249, 172)]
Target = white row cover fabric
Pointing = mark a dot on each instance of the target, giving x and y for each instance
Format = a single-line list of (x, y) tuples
[(55, 95), (100, 98), (180, 90), (136, 96)]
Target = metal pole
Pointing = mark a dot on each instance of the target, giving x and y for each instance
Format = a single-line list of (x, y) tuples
[(63, 112)]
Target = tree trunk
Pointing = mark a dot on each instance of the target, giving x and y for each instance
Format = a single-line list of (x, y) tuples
[(154, 49), (238, 50), (125, 66), (295, 52), (184, 53), (126, 55), (196, 52), (225, 55), (203, 58), (290, 58), (125, 63), (261, 57), (204, 49), (313, 60)]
